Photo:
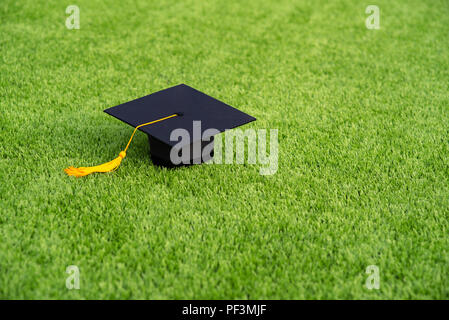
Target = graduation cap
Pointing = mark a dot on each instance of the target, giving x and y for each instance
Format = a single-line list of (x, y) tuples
[(170, 114)]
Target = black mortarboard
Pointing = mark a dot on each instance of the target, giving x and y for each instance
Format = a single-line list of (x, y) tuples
[(189, 105)]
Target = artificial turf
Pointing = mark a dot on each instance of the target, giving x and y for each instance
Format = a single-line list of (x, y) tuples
[(363, 120)]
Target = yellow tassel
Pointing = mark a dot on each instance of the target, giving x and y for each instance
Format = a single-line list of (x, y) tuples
[(105, 167), (111, 165)]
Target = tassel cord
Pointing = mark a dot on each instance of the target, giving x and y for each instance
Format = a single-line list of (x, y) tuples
[(113, 164)]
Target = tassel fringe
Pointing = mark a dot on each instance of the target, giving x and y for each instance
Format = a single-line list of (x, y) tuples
[(105, 167)]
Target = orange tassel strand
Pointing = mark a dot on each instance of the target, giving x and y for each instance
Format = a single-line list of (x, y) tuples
[(111, 165)]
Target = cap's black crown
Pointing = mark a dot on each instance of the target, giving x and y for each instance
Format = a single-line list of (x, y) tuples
[(189, 104)]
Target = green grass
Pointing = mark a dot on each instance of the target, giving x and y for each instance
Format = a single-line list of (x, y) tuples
[(363, 179)]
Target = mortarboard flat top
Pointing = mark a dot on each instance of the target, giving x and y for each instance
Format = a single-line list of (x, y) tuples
[(191, 104)]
